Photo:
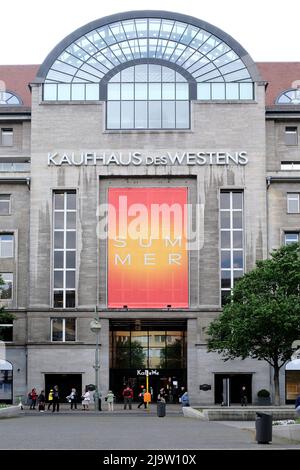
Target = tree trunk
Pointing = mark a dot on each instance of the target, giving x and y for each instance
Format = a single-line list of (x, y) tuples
[(276, 385)]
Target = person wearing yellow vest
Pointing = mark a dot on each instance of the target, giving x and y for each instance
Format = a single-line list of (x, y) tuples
[(50, 399)]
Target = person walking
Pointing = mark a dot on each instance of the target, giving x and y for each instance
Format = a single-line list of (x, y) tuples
[(72, 398), (55, 399), (86, 400), (50, 399), (128, 396), (141, 399), (297, 405), (110, 400), (41, 401), (244, 398), (32, 396)]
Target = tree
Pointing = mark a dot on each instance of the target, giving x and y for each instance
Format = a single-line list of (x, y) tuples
[(263, 318)]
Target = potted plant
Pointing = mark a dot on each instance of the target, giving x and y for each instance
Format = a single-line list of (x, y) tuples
[(263, 397)]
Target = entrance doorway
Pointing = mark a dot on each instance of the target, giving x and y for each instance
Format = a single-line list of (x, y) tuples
[(230, 385), (65, 383), (171, 380)]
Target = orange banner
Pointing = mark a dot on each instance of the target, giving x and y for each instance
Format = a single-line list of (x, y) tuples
[(147, 255)]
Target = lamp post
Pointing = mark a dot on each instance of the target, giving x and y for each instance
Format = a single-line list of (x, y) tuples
[(95, 327)]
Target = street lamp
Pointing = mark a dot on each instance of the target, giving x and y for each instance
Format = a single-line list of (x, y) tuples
[(95, 327)]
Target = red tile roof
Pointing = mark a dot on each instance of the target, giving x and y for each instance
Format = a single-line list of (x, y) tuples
[(280, 76), (16, 79)]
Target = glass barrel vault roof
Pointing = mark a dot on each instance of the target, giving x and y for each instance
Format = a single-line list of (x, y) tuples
[(194, 47)]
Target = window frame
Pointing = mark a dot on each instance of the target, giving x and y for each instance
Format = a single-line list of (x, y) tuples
[(63, 340), (9, 203), (11, 326), (7, 131), (3, 241), (290, 199), (291, 136), (5, 282), (289, 232)]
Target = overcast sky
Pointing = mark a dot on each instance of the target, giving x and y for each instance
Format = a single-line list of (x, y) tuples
[(268, 30)]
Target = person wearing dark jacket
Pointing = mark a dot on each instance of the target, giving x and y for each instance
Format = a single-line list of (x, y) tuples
[(55, 399), (297, 405), (41, 401)]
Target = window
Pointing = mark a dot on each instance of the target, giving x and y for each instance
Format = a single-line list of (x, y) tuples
[(293, 166), (148, 96), (9, 98), (291, 96), (6, 333), (63, 329), (291, 136), (293, 203), (7, 137), (291, 237), (225, 91), (6, 381), (4, 204), (232, 243), (64, 249), (6, 289), (6, 245)]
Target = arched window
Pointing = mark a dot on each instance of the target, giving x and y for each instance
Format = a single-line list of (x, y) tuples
[(9, 98), (148, 96), (6, 381), (291, 96)]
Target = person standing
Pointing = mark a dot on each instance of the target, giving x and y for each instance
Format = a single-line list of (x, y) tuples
[(86, 400), (110, 400), (128, 396), (32, 396), (244, 398), (297, 405), (50, 399), (55, 399), (73, 398), (41, 401)]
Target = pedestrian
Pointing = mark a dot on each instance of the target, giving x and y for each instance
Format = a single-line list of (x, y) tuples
[(244, 398), (41, 401), (50, 399), (141, 399), (32, 397), (55, 399), (297, 405), (72, 398), (128, 396), (162, 395), (185, 400), (110, 400), (86, 400)]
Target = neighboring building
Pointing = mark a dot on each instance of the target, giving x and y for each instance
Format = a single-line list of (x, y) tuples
[(146, 107)]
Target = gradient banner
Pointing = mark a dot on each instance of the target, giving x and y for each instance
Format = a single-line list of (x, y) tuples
[(147, 255)]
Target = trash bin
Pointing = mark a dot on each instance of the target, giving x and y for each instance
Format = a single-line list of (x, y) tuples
[(263, 426), (161, 409)]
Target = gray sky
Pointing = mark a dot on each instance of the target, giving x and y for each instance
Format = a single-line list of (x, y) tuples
[(268, 30)]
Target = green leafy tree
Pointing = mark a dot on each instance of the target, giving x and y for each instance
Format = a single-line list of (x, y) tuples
[(134, 356), (263, 318)]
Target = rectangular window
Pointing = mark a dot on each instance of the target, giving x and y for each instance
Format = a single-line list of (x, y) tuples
[(64, 249), (293, 203), (291, 237), (291, 135), (4, 204), (7, 137), (6, 334), (63, 329), (231, 241), (6, 245), (6, 289)]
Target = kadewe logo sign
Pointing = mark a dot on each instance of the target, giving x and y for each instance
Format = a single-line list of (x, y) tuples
[(147, 253)]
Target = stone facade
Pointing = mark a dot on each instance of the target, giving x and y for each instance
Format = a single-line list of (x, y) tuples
[(80, 127)]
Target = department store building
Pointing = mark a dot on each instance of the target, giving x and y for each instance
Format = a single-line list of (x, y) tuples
[(144, 167)]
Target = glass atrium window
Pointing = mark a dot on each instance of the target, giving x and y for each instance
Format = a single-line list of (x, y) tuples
[(148, 96), (291, 96), (9, 98)]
